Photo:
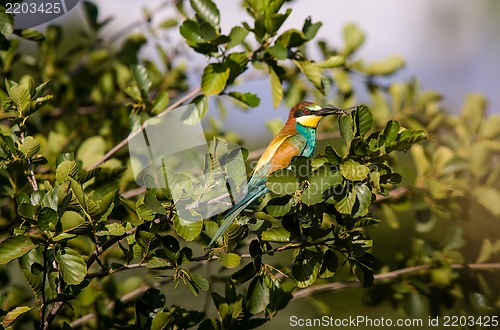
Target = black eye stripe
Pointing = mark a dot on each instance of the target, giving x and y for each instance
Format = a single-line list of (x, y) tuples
[(304, 112)]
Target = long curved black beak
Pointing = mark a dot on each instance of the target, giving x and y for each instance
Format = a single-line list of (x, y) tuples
[(330, 111)]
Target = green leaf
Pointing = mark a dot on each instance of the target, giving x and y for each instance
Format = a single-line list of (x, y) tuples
[(354, 171), (57, 195), (187, 230), (361, 267), (364, 222), (244, 274), (488, 249), (364, 197), (30, 147), (278, 51), (134, 92), (168, 23), (47, 219), (276, 234), (257, 296), (332, 62), (310, 29), (144, 240), (332, 156), (489, 198), (162, 320), (319, 181), (6, 22), (190, 30), (22, 198), (30, 34), (282, 182), (301, 167), (342, 80), (306, 267), (364, 120), (27, 210), (12, 316), (15, 247), (210, 324), (207, 11), (33, 277), (208, 32), (160, 103), (92, 13), (91, 150), (346, 128), (428, 97), (481, 304), (408, 137), (249, 99), (194, 114), (237, 36), (329, 264), (63, 237), (112, 229), (491, 127), (420, 160), (229, 260), (21, 97), (415, 305), (141, 76), (276, 87), (272, 19), (385, 67), (279, 206), (71, 220), (154, 300), (237, 64), (393, 178), (274, 125), (353, 38), (155, 263), (214, 78), (66, 169), (312, 72), (291, 38), (200, 281), (389, 134), (345, 203), (72, 267), (153, 203)]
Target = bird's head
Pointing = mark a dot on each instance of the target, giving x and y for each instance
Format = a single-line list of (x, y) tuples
[(309, 114)]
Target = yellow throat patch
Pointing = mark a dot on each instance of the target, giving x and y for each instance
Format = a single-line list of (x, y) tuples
[(309, 121)]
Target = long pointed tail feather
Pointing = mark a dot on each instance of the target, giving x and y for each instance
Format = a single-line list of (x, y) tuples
[(237, 209)]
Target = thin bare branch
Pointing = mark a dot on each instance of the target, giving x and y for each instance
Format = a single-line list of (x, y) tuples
[(112, 271), (336, 286)]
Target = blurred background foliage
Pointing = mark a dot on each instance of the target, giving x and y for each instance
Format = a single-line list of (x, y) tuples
[(67, 201)]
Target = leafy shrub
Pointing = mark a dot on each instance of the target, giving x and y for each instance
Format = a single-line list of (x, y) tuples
[(72, 215)]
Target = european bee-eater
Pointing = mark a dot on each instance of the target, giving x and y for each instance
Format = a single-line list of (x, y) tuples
[(296, 138)]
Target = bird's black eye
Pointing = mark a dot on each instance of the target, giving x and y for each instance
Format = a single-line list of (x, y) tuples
[(306, 111)]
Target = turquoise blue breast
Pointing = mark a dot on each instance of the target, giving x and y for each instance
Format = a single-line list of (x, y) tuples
[(310, 135)]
